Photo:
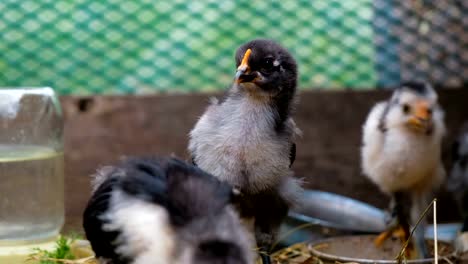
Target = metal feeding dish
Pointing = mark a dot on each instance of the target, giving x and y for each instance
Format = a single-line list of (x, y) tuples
[(361, 249), (323, 214), (339, 212)]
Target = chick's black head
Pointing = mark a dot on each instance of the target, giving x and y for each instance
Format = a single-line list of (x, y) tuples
[(267, 65)]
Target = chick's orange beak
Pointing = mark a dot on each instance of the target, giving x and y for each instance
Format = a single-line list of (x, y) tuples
[(421, 115), (245, 61), (243, 67)]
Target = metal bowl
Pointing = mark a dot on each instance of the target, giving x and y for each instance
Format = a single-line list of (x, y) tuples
[(322, 215), (361, 249), (339, 212)]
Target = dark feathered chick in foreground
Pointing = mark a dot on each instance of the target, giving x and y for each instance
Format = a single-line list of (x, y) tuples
[(162, 210), (247, 139), (401, 153)]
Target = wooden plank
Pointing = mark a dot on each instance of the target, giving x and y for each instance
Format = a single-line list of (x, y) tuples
[(99, 130)]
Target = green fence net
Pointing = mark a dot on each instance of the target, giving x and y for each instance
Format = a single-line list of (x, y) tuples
[(120, 46)]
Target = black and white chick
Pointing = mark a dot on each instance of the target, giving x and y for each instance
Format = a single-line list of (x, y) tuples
[(161, 211), (401, 154), (247, 139)]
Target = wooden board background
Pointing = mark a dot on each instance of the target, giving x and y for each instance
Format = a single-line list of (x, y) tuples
[(99, 130)]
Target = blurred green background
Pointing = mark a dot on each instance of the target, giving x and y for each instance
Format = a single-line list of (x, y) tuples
[(135, 47)]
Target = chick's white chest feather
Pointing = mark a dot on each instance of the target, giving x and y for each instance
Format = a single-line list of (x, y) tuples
[(406, 161), (236, 141), (401, 159)]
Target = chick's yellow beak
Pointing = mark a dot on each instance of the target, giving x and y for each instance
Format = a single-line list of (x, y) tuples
[(421, 110), (421, 115), (245, 61), (244, 66)]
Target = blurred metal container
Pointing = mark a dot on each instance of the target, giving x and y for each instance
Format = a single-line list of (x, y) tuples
[(361, 249), (340, 212), (322, 215)]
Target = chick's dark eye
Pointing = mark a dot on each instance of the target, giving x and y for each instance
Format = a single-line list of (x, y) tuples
[(267, 64), (406, 108)]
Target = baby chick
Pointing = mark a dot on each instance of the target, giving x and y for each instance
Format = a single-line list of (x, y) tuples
[(401, 154), (163, 210), (247, 138)]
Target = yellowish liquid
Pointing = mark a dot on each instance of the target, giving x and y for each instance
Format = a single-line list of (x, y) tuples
[(31, 193)]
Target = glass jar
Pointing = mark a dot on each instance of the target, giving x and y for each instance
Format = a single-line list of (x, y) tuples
[(31, 165)]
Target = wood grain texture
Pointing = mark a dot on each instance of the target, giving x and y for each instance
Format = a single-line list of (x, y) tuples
[(100, 130)]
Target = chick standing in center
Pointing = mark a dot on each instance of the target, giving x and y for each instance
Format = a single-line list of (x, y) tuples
[(247, 139)]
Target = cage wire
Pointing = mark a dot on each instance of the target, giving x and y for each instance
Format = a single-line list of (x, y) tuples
[(146, 46)]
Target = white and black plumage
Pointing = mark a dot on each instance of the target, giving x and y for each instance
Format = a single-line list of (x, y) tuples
[(247, 139), (457, 182), (163, 210), (401, 152)]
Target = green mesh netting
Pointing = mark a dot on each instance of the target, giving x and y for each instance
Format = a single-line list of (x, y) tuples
[(119, 46)]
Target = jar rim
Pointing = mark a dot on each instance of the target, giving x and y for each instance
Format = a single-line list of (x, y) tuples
[(29, 90)]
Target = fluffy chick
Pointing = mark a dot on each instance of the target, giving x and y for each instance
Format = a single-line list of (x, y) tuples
[(247, 139), (160, 211), (401, 153)]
